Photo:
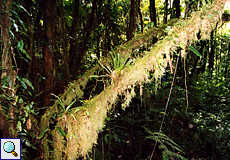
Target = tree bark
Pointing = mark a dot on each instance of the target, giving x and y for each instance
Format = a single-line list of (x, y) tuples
[(203, 66), (8, 73), (140, 15), (166, 12), (85, 38), (176, 8), (132, 22), (74, 32), (152, 8), (48, 49), (211, 54), (63, 31)]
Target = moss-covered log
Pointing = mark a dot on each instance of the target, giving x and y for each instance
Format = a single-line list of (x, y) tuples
[(83, 124)]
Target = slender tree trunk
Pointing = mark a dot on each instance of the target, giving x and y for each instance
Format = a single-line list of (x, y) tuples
[(63, 31), (140, 15), (176, 6), (48, 48), (188, 8), (87, 30), (166, 12), (8, 75), (226, 70), (152, 8), (107, 38), (202, 69), (132, 22), (74, 33), (99, 20), (211, 54)]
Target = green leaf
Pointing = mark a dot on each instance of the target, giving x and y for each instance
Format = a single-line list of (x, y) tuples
[(194, 50), (28, 82), (19, 126), (181, 46), (27, 55), (11, 34), (20, 45), (59, 101), (61, 131), (43, 133), (22, 82), (16, 27), (5, 81), (108, 138), (70, 105)]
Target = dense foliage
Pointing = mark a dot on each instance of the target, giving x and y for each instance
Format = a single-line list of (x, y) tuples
[(61, 58)]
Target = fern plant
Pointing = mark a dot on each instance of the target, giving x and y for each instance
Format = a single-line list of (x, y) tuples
[(164, 144)]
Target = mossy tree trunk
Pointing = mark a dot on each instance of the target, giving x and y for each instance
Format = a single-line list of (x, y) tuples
[(84, 123), (8, 75)]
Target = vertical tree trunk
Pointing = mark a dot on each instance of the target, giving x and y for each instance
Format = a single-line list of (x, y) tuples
[(98, 21), (85, 38), (106, 38), (63, 31), (226, 70), (48, 48), (152, 8), (188, 8), (8, 73), (132, 22), (74, 32), (176, 6), (140, 15), (211, 54), (166, 12), (202, 69)]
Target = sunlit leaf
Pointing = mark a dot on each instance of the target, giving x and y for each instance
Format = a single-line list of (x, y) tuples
[(20, 6), (194, 50), (19, 126), (182, 46), (43, 133)]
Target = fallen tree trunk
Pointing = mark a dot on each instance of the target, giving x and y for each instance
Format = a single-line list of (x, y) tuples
[(82, 125)]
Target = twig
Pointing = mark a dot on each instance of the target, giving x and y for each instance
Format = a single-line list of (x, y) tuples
[(186, 89), (166, 107)]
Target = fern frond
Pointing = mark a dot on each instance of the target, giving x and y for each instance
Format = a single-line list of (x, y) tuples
[(165, 141)]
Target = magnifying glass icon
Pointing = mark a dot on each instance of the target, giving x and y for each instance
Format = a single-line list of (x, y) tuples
[(9, 147)]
